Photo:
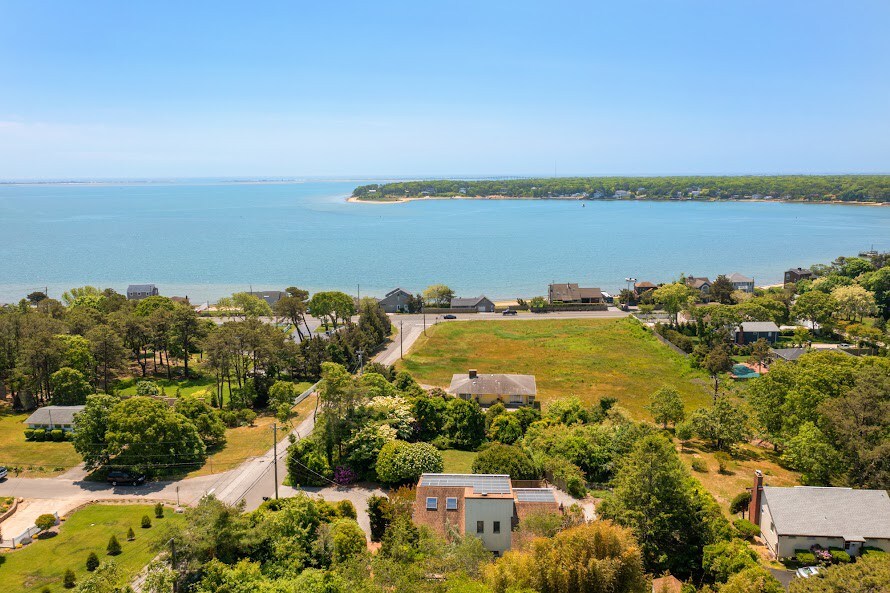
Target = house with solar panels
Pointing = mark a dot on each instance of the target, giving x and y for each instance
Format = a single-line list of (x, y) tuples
[(484, 505)]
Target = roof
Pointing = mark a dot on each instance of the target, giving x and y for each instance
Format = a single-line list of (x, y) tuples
[(396, 291), (480, 483), (59, 415), (484, 383), (467, 302), (759, 326), (789, 354), (573, 292), (829, 512), (644, 284), (141, 288), (534, 495), (800, 270), (667, 584), (694, 282), (736, 277)]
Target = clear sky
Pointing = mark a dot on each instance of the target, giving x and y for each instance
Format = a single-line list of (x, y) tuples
[(239, 89)]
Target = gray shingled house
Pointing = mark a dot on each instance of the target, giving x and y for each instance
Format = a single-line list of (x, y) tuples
[(53, 417), (488, 389), (136, 292), (396, 301), (479, 303)]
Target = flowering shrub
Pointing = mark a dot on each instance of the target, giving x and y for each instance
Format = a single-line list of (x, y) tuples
[(822, 555), (344, 475)]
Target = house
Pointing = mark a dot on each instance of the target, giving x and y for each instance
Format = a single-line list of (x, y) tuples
[(751, 331), (788, 354), (742, 283), (643, 287), (396, 301), (484, 505), (572, 293), (270, 296), (136, 292), (53, 417), (795, 275), (667, 584), (480, 303), (801, 517), (488, 389), (702, 285)]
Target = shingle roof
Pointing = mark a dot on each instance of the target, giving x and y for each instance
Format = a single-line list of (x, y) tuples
[(141, 288), (458, 302), (493, 384), (644, 284), (736, 277), (829, 512), (759, 326), (573, 292), (694, 282), (58, 414), (480, 483), (789, 354), (396, 291)]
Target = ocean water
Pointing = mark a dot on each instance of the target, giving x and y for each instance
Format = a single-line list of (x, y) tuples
[(206, 240)]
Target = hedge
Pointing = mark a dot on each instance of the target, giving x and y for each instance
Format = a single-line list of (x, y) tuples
[(805, 557)]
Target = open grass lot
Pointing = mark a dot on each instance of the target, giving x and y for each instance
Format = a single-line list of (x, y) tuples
[(32, 458), (458, 462), (43, 563), (589, 358)]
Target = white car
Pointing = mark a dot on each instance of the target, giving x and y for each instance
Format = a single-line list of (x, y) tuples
[(806, 572), (3, 473)]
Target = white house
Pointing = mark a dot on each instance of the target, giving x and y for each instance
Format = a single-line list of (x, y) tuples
[(801, 517), (54, 417), (742, 283)]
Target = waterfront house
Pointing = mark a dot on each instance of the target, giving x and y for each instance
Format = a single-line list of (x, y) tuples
[(396, 301), (137, 292), (270, 296), (795, 275), (479, 303), (702, 285), (572, 293), (751, 331), (484, 505), (643, 287), (487, 389), (742, 283), (53, 417), (801, 517)]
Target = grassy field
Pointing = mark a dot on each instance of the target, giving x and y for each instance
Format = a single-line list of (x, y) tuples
[(458, 462), (588, 358), (32, 458), (43, 563)]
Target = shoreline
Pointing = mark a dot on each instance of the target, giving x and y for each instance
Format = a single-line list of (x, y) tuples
[(357, 200)]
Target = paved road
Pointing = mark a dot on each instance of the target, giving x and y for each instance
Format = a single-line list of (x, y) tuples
[(412, 326)]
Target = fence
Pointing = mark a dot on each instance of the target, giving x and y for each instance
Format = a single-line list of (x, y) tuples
[(669, 344), (306, 393), (25, 537)]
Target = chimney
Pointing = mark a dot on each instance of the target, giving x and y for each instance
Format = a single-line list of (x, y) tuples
[(756, 492), (472, 373)]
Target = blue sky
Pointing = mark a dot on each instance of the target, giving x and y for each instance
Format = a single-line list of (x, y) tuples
[(190, 89)]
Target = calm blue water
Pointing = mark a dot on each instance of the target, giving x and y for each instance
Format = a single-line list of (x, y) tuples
[(208, 240)]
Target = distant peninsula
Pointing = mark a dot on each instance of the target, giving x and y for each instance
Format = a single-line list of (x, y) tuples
[(851, 189)]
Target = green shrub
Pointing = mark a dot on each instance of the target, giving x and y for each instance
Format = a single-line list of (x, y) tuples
[(746, 529), (39, 435), (506, 459), (379, 514), (872, 551), (146, 522), (723, 461), (839, 556), (29, 434), (246, 416), (566, 474), (58, 435), (229, 418), (348, 540), (401, 463), (699, 466), (114, 547), (92, 562), (159, 510), (147, 388), (805, 557), (346, 509), (45, 521), (131, 535), (68, 581)]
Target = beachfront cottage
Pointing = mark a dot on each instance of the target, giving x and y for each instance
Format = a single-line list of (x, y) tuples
[(741, 283), (479, 303), (801, 517), (795, 275), (488, 389), (751, 331), (572, 293), (53, 417), (643, 287), (270, 296), (702, 285), (484, 505), (137, 292), (396, 301)]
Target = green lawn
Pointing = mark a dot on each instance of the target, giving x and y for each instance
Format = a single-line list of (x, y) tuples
[(32, 458), (588, 358), (43, 563), (458, 462)]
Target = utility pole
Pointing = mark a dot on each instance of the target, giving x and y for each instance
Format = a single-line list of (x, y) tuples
[(173, 563), (177, 493), (361, 362), (423, 309), (358, 288), (401, 335), (275, 455)]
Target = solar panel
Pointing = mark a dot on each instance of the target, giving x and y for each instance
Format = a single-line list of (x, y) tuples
[(480, 483), (534, 495)]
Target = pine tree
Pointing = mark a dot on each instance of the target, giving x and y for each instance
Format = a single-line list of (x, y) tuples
[(130, 534), (92, 562), (146, 522), (69, 581), (114, 547)]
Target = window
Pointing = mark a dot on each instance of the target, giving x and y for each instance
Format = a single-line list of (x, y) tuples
[(846, 545), (432, 503), (451, 503), (480, 526), (496, 527), (515, 399), (531, 399)]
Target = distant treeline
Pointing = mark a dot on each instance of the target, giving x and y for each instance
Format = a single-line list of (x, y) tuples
[(815, 188)]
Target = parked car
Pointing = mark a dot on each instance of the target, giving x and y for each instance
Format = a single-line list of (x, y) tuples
[(508, 312), (806, 572), (116, 477), (450, 316), (3, 473)]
